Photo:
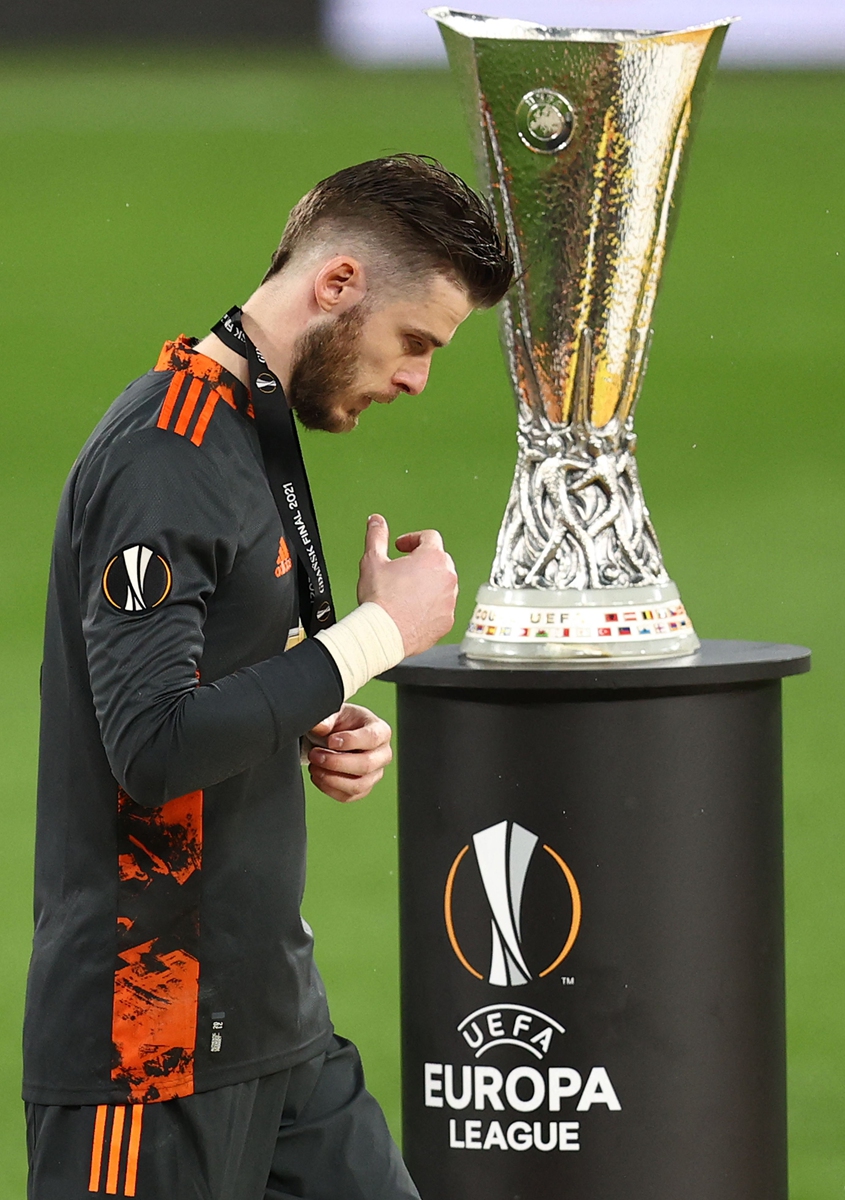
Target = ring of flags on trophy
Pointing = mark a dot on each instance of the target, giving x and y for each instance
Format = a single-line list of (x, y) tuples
[(580, 625)]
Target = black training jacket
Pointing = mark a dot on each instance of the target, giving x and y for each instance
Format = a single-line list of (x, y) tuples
[(169, 954)]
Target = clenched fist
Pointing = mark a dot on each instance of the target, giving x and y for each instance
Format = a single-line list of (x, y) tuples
[(418, 591)]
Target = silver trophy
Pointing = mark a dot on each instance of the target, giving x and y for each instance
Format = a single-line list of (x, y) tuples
[(580, 136)]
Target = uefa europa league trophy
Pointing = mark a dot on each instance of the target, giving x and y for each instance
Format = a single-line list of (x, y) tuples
[(579, 135)]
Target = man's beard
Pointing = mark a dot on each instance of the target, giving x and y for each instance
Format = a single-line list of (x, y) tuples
[(324, 373)]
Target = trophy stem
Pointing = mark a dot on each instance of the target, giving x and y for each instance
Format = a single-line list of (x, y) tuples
[(576, 516)]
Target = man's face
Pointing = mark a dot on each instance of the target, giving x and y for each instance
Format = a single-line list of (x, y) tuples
[(372, 353)]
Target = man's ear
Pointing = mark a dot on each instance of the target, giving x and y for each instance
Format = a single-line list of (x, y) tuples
[(339, 284)]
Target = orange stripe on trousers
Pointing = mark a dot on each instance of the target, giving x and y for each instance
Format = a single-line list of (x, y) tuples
[(114, 1150), (134, 1148), (190, 404), (170, 400), (97, 1148)]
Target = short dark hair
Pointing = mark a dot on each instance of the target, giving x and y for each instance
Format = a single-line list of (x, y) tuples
[(425, 216)]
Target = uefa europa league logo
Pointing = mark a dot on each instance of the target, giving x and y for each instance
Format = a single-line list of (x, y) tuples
[(504, 855)]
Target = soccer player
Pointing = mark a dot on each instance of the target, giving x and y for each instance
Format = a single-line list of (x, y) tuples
[(177, 1040)]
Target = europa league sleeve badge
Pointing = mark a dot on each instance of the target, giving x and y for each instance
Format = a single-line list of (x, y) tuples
[(137, 580)]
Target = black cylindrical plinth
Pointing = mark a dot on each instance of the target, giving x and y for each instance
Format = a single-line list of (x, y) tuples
[(592, 927)]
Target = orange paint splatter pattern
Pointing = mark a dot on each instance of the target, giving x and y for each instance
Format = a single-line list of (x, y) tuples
[(181, 356), (156, 983)]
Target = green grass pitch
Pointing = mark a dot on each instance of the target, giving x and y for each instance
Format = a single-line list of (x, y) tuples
[(142, 195)]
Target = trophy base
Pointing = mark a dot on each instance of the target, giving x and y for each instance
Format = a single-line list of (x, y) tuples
[(531, 624)]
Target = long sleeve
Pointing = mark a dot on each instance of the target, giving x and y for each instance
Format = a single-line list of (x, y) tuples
[(157, 537)]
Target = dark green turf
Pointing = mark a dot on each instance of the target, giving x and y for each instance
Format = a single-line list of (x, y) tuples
[(138, 202)]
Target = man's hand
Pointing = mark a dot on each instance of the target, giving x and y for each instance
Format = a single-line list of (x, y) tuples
[(418, 591), (355, 750)]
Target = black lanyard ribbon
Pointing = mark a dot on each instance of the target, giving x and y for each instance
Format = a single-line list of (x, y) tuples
[(286, 474)]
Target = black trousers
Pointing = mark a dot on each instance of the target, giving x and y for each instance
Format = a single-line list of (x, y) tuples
[(311, 1133)]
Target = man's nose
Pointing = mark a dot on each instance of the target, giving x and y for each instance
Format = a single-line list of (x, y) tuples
[(413, 378)]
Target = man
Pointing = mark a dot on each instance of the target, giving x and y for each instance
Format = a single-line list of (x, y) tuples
[(177, 1039)]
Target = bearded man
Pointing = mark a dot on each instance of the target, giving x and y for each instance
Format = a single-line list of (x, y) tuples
[(178, 1042)]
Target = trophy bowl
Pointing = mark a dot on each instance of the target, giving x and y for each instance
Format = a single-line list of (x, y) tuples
[(580, 136)]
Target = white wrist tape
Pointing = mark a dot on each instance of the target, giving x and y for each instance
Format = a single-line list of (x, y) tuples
[(363, 644)]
